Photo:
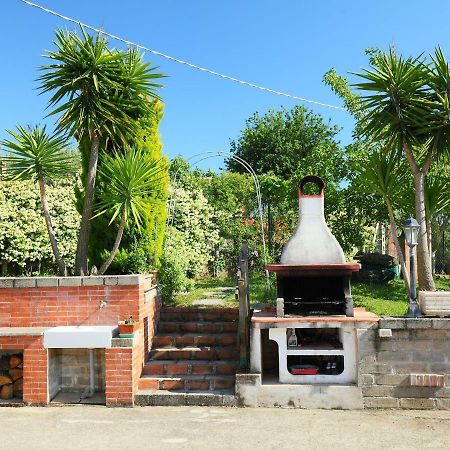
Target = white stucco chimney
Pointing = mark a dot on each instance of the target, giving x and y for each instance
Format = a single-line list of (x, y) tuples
[(312, 241)]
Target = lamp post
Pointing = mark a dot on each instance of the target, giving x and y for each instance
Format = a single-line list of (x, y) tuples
[(411, 228)]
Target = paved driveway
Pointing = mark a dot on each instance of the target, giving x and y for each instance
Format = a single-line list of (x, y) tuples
[(96, 427)]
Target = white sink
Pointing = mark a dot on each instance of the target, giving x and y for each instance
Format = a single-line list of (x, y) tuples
[(83, 336)]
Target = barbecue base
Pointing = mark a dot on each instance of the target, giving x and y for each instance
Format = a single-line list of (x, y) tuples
[(255, 390), (321, 341), (326, 342)]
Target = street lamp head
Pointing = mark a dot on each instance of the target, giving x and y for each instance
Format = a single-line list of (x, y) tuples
[(411, 228)]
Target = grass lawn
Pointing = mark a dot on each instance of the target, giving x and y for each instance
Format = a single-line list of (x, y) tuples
[(383, 299)]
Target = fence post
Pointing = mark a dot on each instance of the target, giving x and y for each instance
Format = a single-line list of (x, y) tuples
[(242, 295)]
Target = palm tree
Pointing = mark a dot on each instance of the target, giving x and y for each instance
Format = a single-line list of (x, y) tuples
[(98, 94), (129, 178), (437, 201), (407, 103), (34, 155), (385, 175)]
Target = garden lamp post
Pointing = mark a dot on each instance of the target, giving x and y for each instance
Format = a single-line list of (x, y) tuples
[(411, 229)]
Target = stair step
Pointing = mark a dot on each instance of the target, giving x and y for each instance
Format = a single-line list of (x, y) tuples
[(195, 340), (187, 382), (198, 353), (176, 314), (162, 397), (189, 367), (197, 327)]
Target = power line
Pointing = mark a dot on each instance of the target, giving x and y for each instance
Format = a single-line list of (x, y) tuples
[(180, 61)]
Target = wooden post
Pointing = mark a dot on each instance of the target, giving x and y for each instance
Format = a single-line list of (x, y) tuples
[(242, 294)]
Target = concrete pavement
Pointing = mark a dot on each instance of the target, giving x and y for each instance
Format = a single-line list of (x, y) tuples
[(97, 427)]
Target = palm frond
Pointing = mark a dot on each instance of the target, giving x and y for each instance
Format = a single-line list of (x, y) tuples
[(130, 178), (35, 155), (97, 88)]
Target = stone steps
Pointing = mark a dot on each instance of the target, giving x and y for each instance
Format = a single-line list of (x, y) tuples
[(191, 367), (195, 340), (175, 314), (187, 382), (203, 353), (197, 327), (194, 355), (159, 397)]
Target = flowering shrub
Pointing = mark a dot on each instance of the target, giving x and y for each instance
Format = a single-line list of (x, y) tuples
[(189, 243), (24, 242)]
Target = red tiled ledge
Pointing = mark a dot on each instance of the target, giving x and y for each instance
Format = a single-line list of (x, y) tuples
[(361, 316)]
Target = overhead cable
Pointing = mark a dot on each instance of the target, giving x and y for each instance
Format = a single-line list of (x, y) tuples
[(180, 61)]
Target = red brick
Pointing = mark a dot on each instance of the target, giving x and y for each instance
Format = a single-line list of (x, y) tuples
[(197, 384), (230, 327), (227, 340), (177, 369), (206, 340), (172, 384), (427, 380), (224, 383), (154, 369), (211, 328), (181, 354), (184, 340), (189, 327), (162, 341), (148, 383), (226, 369), (205, 354), (212, 316), (227, 353), (202, 368)]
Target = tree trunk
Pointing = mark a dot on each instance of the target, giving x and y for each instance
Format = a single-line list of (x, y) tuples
[(62, 270), (106, 264), (400, 254), (430, 245), (425, 274), (81, 266)]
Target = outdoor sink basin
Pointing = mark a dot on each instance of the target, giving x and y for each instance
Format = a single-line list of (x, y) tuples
[(83, 336)]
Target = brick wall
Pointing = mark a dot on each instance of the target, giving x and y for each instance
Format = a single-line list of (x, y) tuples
[(55, 301), (389, 366), (46, 302), (35, 380)]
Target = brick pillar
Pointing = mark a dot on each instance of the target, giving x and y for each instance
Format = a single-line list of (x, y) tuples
[(35, 374), (119, 376)]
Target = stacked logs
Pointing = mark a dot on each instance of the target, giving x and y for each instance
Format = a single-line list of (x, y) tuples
[(11, 376)]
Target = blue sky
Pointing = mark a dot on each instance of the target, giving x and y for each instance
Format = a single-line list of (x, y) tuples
[(284, 45)]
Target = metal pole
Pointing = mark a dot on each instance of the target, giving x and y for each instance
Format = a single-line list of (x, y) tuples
[(413, 308)]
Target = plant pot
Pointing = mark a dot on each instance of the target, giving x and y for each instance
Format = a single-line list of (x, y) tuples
[(128, 329), (434, 303)]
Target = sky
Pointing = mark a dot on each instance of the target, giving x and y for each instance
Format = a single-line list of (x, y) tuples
[(280, 44)]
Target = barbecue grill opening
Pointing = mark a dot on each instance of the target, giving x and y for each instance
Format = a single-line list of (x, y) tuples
[(313, 296), (315, 365), (315, 338)]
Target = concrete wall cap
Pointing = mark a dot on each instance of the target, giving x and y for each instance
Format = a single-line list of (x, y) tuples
[(47, 282), (24, 282), (394, 323), (70, 281), (92, 281), (6, 283), (108, 280), (130, 279)]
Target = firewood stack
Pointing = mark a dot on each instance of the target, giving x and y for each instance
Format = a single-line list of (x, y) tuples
[(11, 376)]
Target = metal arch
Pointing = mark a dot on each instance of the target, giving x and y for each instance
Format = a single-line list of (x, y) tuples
[(247, 167)]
